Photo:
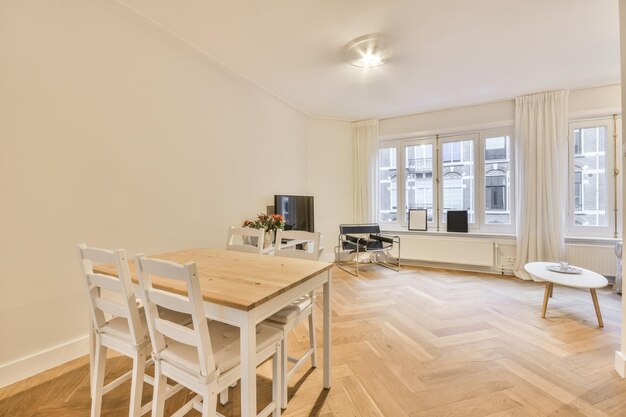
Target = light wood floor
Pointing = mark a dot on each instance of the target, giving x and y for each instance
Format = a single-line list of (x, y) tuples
[(417, 343)]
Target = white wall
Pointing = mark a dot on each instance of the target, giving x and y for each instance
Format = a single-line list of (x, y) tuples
[(114, 134), (443, 120), (330, 177), (595, 101)]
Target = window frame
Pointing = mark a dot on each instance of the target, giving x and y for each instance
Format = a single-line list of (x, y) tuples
[(474, 138), (478, 137), (572, 229), (501, 192), (377, 194), (488, 134), (401, 149)]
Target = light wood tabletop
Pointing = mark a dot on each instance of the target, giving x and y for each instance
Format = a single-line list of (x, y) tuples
[(239, 280)]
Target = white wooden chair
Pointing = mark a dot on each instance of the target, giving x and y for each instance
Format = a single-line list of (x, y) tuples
[(302, 308), (125, 331), (242, 239), (204, 358)]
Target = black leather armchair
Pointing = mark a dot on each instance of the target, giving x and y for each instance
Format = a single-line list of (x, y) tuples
[(359, 239)]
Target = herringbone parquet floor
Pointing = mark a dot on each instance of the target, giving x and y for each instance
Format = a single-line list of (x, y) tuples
[(419, 343)]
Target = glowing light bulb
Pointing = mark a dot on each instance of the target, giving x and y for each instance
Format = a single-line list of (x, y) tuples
[(365, 51), (371, 59)]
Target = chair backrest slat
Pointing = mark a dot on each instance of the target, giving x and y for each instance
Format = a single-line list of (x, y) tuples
[(176, 332), (167, 269), (309, 239), (159, 327), (111, 307), (103, 256), (121, 285), (106, 281), (245, 239), (357, 229), (170, 301)]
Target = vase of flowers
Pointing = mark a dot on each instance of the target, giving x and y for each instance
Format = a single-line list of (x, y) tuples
[(268, 223)]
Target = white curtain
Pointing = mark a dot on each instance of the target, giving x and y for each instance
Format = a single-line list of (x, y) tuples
[(542, 171), (365, 166)]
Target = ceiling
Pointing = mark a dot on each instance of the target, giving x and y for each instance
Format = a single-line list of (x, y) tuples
[(444, 53)]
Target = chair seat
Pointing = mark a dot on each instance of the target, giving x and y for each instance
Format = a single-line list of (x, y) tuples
[(118, 326), (225, 344), (292, 311), (369, 245)]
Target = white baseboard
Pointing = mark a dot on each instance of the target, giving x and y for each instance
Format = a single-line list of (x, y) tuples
[(494, 270), (620, 364), (30, 365)]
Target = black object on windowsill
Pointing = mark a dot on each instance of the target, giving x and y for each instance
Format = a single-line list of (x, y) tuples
[(457, 221)]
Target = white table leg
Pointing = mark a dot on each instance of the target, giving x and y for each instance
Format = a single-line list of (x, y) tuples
[(248, 366), (327, 329)]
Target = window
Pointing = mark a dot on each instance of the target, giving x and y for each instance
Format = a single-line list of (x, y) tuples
[(387, 185), (497, 177), (495, 148), (452, 152), (462, 172), (419, 178), (591, 199), (495, 186), (458, 177), (578, 190), (578, 147)]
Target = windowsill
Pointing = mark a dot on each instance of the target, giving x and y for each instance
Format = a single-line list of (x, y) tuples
[(442, 233), (495, 235), (592, 240)]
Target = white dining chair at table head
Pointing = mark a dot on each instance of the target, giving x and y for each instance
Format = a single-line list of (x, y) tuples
[(245, 239)]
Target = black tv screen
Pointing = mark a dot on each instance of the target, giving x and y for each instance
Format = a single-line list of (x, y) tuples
[(297, 211)]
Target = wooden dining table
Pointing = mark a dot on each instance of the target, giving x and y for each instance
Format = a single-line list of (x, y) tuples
[(243, 289)]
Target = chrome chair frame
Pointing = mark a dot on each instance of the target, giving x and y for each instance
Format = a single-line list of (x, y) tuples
[(356, 239)]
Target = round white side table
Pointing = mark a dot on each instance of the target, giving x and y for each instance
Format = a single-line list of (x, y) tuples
[(586, 279)]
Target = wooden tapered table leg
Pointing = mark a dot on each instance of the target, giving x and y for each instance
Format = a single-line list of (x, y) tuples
[(546, 295), (575, 277), (594, 297)]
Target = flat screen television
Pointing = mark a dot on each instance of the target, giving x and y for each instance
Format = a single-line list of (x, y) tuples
[(297, 211)]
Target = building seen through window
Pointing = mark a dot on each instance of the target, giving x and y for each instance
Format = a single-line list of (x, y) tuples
[(387, 185), (497, 179), (458, 177), (590, 177), (419, 178)]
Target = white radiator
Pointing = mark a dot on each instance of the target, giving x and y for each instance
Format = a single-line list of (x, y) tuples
[(597, 258), (452, 250)]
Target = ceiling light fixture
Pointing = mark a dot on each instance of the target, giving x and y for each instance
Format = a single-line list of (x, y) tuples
[(365, 51)]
